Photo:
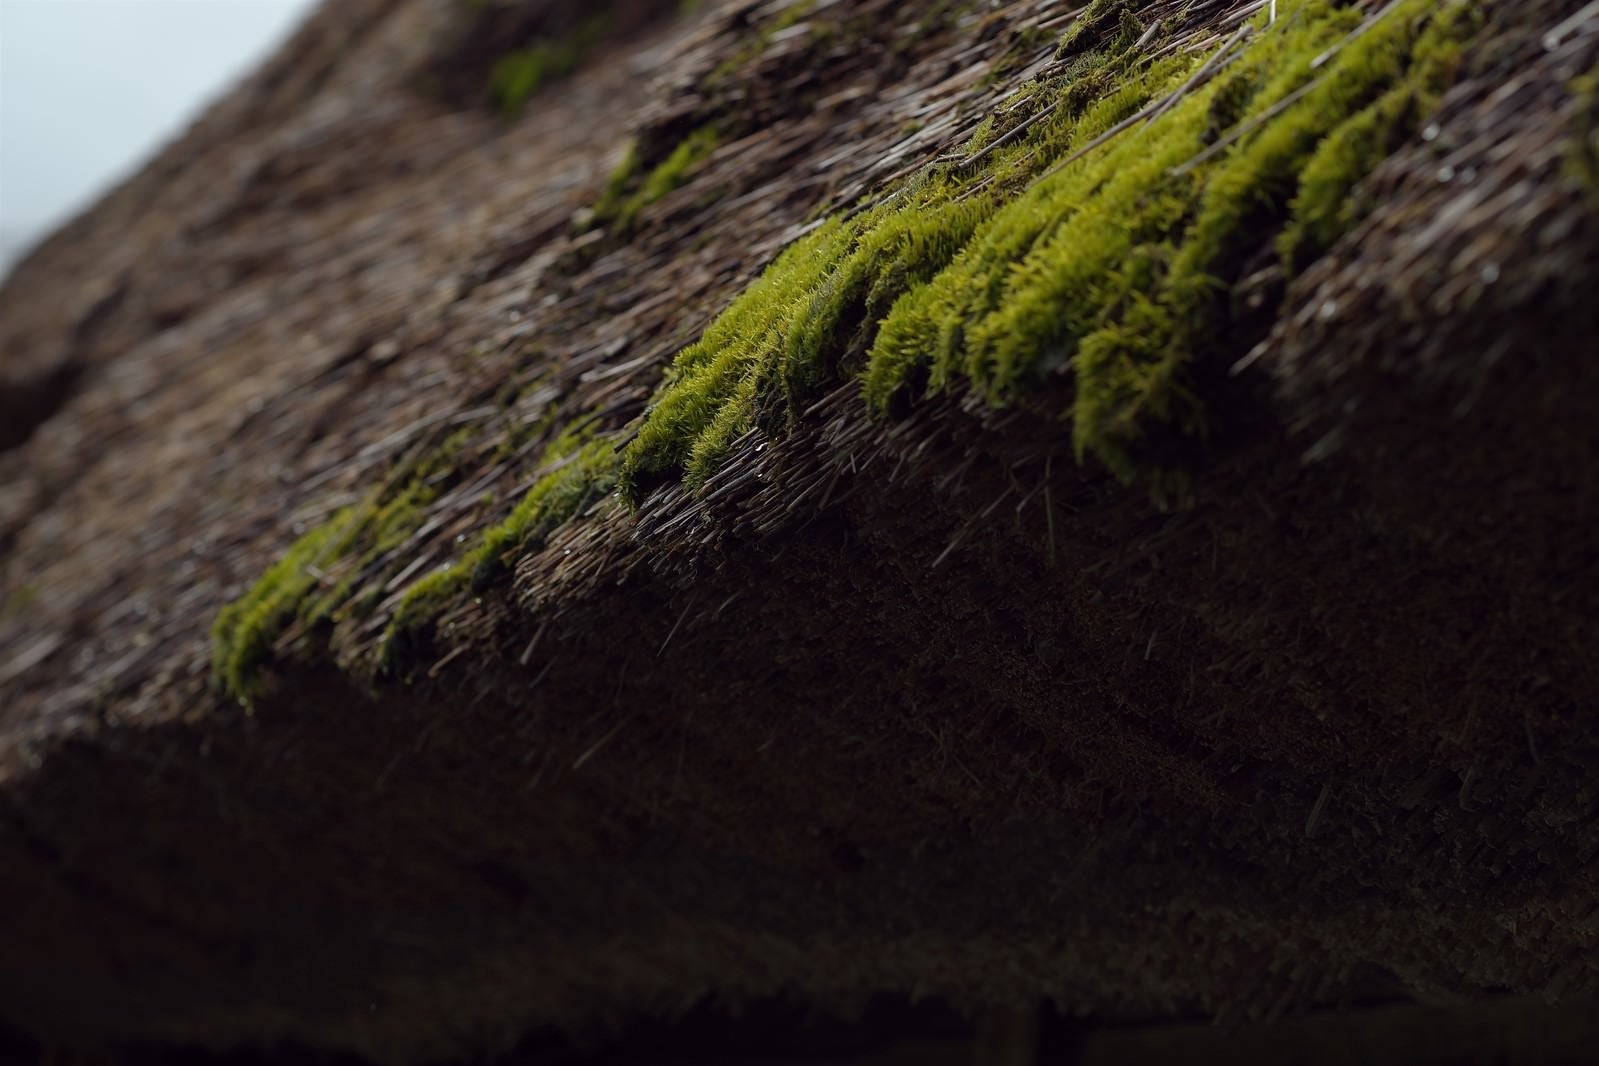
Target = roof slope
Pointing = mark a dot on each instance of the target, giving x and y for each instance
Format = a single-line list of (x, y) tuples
[(817, 499)]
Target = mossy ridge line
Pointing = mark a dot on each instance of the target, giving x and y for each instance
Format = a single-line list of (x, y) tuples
[(1108, 273), (326, 579)]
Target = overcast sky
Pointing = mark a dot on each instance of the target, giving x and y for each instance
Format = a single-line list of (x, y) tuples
[(91, 88)]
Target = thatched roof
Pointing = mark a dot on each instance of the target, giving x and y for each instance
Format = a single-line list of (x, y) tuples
[(1228, 674)]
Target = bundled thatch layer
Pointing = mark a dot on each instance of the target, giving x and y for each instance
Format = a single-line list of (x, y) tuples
[(919, 705)]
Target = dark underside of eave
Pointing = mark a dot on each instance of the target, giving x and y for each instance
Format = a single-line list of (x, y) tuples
[(817, 764)]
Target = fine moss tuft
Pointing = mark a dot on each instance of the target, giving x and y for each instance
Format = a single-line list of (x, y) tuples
[(519, 75), (244, 634), (578, 469), (630, 189), (325, 577), (1585, 136), (792, 14), (1095, 24)]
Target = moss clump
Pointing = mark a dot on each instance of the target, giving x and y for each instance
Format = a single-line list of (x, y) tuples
[(245, 632), (713, 385), (631, 189), (325, 575), (517, 76), (1096, 23), (1110, 273), (1325, 206), (1585, 140), (619, 187), (813, 311), (579, 469), (333, 572), (791, 15)]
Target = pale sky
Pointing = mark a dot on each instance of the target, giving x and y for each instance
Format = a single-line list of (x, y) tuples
[(89, 89)]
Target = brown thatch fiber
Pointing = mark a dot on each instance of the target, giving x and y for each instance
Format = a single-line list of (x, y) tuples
[(920, 707)]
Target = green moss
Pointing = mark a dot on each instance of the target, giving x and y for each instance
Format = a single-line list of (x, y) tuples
[(619, 186), (1096, 23), (579, 468), (820, 303), (333, 572), (1324, 209), (1584, 154), (981, 137), (325, 576), (19, 600), (1088, 263), (756, 44), (322, 578), (630, 189), (518, 76), (1325, 206), (1108, 274), (710, 396), (244, 634)]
